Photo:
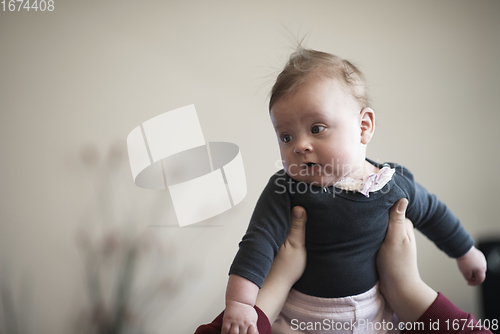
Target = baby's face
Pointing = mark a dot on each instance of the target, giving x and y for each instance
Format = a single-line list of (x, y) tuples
[(319, 132)]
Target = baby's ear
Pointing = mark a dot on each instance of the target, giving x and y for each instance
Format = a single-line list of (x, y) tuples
[(367, 124)]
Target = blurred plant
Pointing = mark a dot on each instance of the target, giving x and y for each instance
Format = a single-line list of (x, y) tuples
[(129, 275)]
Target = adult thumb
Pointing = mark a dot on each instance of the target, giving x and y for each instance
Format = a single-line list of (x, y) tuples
[(299, 217), (401, 206), (297, 233), (397, 218)]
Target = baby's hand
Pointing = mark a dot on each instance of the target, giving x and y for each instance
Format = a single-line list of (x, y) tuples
[(239, 318), (473, 266)]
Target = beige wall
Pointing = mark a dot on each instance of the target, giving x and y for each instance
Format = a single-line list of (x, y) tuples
[(86, 74)]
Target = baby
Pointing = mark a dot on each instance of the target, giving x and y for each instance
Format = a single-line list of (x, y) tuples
[(319, 110)]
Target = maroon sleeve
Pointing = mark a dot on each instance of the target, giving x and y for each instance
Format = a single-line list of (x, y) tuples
[(444, 317), (263, 325)]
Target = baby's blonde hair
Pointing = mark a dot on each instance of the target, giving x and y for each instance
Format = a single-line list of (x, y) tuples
[(304, 62)]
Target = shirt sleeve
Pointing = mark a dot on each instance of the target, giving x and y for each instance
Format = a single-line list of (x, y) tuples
[(433, 218), (444, 317), (267, 230)]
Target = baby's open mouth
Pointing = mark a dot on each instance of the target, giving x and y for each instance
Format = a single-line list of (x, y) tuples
[(311, 168)]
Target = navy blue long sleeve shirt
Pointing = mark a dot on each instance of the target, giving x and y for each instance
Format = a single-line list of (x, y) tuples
[(344, 231)]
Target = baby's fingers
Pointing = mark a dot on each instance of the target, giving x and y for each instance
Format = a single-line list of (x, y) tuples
[(252, 329), (478, 277), (225, 328), (472, 281), (230, 328), (235, 329)]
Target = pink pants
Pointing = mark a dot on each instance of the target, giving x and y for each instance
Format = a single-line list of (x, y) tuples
[(367, 312)]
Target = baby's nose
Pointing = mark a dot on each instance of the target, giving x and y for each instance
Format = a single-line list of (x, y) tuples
[(302, 146)]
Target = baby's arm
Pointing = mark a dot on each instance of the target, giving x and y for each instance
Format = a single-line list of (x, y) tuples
[(473, 266), (240, 315), (268, 229), (438, 223)]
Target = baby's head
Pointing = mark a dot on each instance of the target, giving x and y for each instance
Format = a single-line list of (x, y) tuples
[(319, 109), (304, 62)]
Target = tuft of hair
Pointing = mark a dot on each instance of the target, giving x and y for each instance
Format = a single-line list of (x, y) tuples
[(305, 62)]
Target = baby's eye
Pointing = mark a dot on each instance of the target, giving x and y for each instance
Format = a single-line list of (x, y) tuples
[(286, 138), (317, 129)]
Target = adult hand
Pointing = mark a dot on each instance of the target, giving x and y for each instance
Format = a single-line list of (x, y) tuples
[(286, 269), (400, 281)]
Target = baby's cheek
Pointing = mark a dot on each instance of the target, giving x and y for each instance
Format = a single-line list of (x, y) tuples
[(333, 169), (284, 160), (290, 169), (328, 169)]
